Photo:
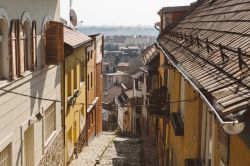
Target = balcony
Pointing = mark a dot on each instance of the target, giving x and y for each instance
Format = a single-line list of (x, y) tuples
[(159, 102)]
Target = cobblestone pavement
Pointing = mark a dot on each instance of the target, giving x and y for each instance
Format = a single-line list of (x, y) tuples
[(122, 152), (149, 152), (90, 154), (111, 150)]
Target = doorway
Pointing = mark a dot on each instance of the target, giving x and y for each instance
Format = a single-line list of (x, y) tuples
[(29, 146)]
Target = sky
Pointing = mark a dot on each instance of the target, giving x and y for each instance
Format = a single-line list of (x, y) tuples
[(118, 12)]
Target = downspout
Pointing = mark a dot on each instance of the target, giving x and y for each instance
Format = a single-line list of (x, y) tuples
[(63, 107), (221, 121), (86, 94)]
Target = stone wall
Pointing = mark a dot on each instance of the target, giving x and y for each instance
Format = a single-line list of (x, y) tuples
[(54, 155)]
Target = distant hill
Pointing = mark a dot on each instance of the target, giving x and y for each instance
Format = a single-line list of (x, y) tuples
[(119, 30)]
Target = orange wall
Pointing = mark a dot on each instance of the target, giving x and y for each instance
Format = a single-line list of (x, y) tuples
[(239, 152), (99, 94)]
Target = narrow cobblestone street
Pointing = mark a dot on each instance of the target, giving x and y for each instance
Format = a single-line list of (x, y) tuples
[(111, 150)]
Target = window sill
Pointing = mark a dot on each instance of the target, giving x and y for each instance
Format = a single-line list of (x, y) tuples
[(50, 139), (26, 76), (27, 72), (3, 82)]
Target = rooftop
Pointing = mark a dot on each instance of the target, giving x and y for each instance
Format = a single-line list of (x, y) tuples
[(117, 73), (74, 38), (110, 95), (149, 54), (174, 9), (210, 46), (123, 64)]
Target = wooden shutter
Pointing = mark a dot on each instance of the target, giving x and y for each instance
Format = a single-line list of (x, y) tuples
[(54, 43), (33, 46), (49, 122)]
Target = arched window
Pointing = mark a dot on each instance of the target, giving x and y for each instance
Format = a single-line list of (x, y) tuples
[(4, 63), (33, 46), (25, 59), (26, 45), (13, 49)]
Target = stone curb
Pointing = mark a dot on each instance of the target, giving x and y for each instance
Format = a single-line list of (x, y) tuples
[(97, 161)]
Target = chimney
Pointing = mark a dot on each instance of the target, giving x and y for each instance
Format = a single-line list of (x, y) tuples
[(169, 15)]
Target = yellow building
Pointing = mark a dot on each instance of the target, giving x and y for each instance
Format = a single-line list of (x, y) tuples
[(208, 121), (74, 83)]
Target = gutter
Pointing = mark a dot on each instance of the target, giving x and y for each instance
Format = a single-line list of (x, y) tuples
[(192, 82)]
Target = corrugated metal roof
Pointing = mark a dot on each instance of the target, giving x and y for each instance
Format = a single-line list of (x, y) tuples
[(211, 45), (74, 38)]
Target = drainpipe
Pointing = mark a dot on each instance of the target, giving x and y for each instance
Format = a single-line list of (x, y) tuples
[(177, 66), (86, 93)]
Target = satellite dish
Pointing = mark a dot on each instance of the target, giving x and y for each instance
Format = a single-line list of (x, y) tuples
[(234, 128), (73, 17)]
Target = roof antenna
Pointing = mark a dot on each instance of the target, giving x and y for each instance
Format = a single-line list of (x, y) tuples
[(72, 16)]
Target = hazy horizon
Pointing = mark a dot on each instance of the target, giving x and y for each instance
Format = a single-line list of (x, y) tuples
[(119, 30), (118, 12)]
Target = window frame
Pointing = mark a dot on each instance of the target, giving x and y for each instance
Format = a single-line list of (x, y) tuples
[(52, 108), (7, 148)]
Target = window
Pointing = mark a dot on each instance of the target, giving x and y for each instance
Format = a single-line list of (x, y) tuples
[(88, 82), (136, 84), (69, 83), (4, 73), (49, 122), (91, 80), (5, 156), (26, 43), (83, 72), (89, 122), (33, 46), (76, 83), (13, 50), (91, 53), (182, 97), (92, 121)]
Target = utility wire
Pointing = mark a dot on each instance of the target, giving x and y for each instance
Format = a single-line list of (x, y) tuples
[(76, 103)]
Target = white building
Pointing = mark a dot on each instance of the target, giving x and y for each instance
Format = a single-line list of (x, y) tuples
[(116, 78), (30, 128)]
